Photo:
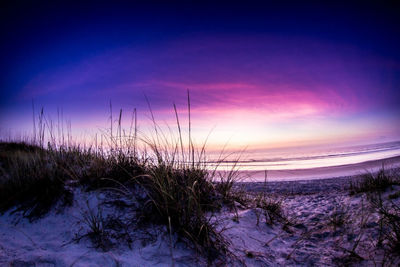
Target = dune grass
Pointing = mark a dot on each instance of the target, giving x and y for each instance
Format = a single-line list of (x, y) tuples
[(31, 180), (176, 188), (390, 221), (376, 187), (375, 182)]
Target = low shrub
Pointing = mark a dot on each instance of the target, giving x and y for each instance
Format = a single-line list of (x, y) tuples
[(181, 196), (32, 181), (390, 222), (270, 207), (378, 182)]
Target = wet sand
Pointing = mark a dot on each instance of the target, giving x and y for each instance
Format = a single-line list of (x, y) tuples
[(322, 172)]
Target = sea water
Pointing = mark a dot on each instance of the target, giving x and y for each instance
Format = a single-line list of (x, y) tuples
[(314, 163)]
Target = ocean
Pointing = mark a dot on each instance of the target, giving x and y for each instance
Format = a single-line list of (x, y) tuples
[(314, 163)]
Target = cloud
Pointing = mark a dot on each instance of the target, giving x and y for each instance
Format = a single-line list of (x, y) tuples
[(251, 81)]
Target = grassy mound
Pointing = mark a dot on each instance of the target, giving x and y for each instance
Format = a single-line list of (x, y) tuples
[(178, 195)]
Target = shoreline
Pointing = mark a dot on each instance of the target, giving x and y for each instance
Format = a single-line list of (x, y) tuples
[(320, 173)]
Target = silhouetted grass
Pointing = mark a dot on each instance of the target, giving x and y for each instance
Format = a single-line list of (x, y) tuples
[(378, 182), (169, 180), (183, 196), (32, 180), (376, 186)]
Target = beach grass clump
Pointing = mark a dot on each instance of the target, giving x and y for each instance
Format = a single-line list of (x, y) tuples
[(182, 196), (378, 182), (390, 224), (270, 207), (386, 205), (102, 171), (96, 228), (338, 217), (31, 180), (391, 218), (226, 186), (389, 212), (179, 190), (34, 179), (226, 182)]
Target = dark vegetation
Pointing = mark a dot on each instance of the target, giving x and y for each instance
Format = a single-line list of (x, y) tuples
[(379, 189), (371, 182), (32, 180), (390, 224), (389, 211), (176, 189)]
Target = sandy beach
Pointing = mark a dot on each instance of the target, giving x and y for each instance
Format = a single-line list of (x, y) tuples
[(323, 225)]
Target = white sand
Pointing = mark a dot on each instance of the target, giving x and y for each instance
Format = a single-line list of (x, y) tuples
[(50, 240), (310, 239)]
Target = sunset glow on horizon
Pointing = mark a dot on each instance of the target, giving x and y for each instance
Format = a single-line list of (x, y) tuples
[(256, 81)]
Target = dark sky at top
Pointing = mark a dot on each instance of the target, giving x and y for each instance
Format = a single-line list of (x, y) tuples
[(33, 32)]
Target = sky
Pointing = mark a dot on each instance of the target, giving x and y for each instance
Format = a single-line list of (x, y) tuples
[(260, 75)]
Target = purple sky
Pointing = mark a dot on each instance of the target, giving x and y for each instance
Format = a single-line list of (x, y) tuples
[(283, 78)]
